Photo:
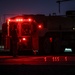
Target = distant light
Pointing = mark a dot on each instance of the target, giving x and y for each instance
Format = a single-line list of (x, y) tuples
[(29, 20), (20, 40), (2, 46), (68, 50), (73, 28), (45, 59), (19, 20), (51, 39), (24, 39), (9, 20), (40, 26)]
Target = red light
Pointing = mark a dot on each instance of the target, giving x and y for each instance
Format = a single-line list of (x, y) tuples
[(9, 20), (45, 59), (56, 58), (40, 26), (51, 39), (17, 20), (20, 40), (20, 20), (29, 20), (24, 39), (65, 58)]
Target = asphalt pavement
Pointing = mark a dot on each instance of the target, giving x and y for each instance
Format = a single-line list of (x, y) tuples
[(37, 65)]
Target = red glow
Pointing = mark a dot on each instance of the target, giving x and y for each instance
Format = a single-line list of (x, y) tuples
[(19, 20), (51, 39), (65, 58), (29, 20), (24, 39), (40, 26), (20, 40), (16, 19), (56, 59), (8, 19), (45, 59)]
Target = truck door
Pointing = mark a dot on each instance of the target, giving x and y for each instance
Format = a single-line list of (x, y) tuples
[(52, 43)]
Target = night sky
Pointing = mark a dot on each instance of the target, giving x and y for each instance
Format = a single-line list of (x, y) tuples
[(33, 7)]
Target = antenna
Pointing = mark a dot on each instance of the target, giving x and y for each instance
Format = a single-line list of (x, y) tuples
[(59, 1)]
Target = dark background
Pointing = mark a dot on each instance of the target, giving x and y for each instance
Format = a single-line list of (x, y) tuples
[(14, 7)]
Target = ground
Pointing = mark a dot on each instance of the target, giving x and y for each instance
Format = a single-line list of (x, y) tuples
[(37, 65)]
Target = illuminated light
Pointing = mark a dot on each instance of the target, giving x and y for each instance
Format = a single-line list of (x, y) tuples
[(29, 19), (73, 28), (40, 26), (9, 20), (65, 58), (51, 39), (20, 40), (45, 59), (21, 19), (55, 59), (24, 39), (17, 19), (2, 46), (68, 50)]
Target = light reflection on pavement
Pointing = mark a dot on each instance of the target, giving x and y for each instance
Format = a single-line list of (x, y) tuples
[(37, 60)]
